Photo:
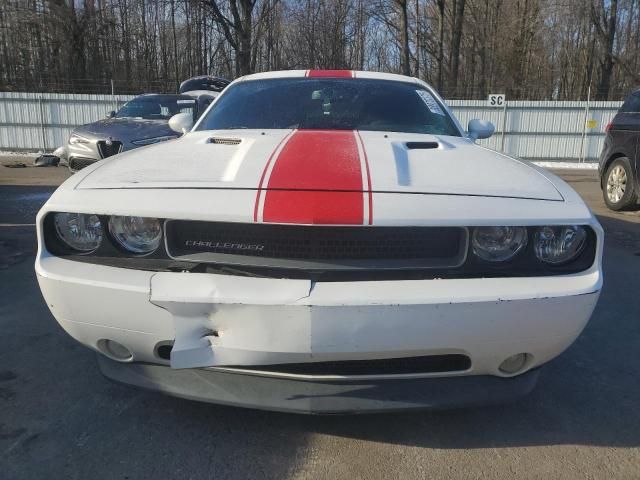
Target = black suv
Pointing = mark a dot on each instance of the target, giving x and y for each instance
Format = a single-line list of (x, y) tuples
[(620, 158)]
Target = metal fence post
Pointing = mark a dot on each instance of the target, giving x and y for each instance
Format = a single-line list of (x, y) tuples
[(504, 126), (42, 124), (584, 126), (113, 96)]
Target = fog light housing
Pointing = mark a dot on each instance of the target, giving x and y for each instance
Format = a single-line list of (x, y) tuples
[(514, 363), (114, 350)]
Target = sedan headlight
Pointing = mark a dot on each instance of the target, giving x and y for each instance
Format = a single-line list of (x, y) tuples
[(557, 245), (76, 139), (136, 234), (498, 244), (151, 141), (79, 231)]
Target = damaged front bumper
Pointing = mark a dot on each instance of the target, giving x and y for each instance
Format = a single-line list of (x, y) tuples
[(230, 334), (321, 396)]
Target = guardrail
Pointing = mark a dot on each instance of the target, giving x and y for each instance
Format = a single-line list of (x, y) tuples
[(533, 130)]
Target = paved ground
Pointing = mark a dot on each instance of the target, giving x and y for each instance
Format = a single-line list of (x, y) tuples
[(60, 419), (19, 170)]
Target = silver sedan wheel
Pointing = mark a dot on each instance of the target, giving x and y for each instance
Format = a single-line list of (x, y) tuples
[(616, 184)]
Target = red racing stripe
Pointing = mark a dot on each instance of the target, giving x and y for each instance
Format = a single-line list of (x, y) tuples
[(366, 165), (316, 179), (330, 73), (264, 173)]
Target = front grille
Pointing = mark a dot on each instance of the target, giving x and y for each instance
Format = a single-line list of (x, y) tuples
[(322, 247), (387, 366), (107, 150), (78, 163)]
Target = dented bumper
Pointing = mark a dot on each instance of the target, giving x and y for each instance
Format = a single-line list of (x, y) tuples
[(321, 396), (217, 321)]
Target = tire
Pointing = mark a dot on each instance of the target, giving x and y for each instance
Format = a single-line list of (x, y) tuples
[(619, 186)]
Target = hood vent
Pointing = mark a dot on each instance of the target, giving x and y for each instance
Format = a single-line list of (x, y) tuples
[(422, 145), (224, 141)]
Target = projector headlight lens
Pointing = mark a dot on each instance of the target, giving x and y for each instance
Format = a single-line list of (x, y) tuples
[(498, 244), (559, 244), (136, 234), (79, 231)]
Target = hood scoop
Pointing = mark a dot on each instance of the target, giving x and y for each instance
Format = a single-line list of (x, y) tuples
[(224, 141), (422, 145)]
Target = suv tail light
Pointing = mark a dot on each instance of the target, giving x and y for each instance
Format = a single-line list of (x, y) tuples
[(608, 127)]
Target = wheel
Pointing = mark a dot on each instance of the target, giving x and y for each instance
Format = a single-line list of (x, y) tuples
[(619, 190)]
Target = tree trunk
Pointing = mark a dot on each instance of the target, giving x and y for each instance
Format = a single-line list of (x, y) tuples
[(404, 37), (456, 38), (440, 58), (608, 39)]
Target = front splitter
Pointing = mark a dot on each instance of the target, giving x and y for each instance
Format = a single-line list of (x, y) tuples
[(321, 397)]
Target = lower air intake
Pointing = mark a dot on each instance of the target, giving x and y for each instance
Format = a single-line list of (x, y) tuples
[(78, 163), (387, 366)]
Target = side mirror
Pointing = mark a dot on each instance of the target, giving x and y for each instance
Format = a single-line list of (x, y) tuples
[(111, 114), (181, 122), (479, 129)]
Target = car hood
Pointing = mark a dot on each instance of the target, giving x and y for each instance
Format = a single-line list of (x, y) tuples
[(309, 160), (125, 129)]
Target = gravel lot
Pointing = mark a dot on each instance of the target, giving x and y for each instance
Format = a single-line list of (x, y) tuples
[(59, 418)]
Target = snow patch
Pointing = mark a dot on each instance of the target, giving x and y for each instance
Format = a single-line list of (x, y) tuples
[(568, 165)]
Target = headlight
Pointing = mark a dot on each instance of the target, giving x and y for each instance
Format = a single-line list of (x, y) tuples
[(76, 139), (80, 231), (498, 244), (556, 245), (136, 234), (151, 141)]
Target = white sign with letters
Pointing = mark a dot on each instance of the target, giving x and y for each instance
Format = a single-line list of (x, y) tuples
[(496, 99)]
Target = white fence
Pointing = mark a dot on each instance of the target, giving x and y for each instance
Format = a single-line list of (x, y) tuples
[(534, 130), (33, 122), (543, 130)]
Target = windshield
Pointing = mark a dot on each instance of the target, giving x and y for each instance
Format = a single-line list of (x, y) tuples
[(156, 107), (204, 83), (329, 104)]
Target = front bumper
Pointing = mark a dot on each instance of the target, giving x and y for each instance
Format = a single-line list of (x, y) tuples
[(81, 155), (321, 396), (270, 321)]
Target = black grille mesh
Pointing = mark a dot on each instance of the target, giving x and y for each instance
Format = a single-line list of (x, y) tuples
[(78, 163), (299, 242), (387, 366), (224, 141)]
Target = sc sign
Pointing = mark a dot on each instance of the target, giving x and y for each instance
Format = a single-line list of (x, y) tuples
[(496, 99)]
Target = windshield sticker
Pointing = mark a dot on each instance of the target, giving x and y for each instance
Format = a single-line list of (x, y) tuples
[(430, 102), (186, 101)]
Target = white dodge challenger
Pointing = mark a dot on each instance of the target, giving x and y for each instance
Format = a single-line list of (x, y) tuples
[(322, 242)]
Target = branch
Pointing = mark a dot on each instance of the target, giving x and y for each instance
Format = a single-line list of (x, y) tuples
[(224, 22)]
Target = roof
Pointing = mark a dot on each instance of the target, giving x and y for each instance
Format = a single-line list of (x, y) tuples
[(168, 96), (329, 74)]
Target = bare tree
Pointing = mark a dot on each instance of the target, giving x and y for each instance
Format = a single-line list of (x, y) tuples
[(532, 49), (456, 39), (237, 29), (605, 22)]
